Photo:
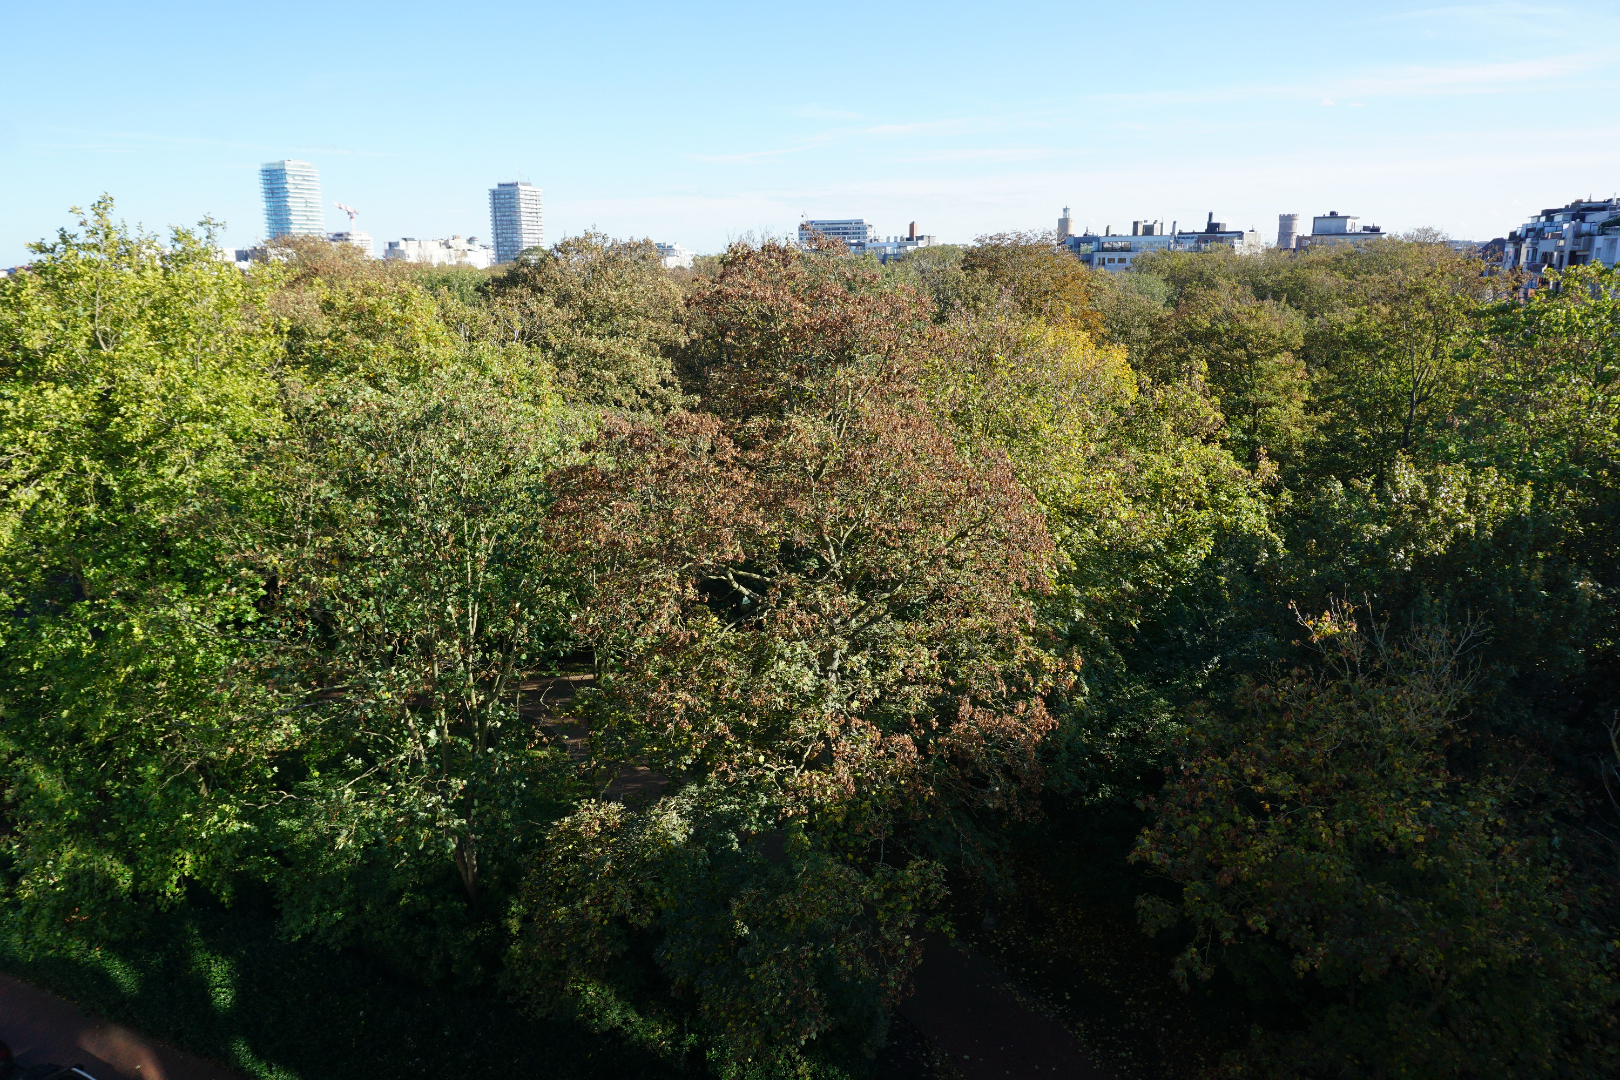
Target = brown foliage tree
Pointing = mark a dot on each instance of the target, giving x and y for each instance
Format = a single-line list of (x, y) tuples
[(834, 615), (773, 320)]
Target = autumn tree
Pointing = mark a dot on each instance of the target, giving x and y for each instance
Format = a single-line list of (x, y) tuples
[(772, 324), (810, 614), (1037, 277)]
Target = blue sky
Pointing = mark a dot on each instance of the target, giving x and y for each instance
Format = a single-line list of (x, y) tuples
[(699, 122)]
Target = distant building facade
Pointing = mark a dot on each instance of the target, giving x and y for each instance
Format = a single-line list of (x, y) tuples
[(360, 240), (1584, 231), (452, 252), (515, 219), (1119, 253), (851, 231), (894, 247), (292, 199), (1333, 229), (673, 256)]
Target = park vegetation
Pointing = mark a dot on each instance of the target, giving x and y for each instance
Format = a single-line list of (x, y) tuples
[(1272, 600)]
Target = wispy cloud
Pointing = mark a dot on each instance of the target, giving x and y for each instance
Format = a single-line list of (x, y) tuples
[(985, 153), (1410, 80), (750, 155), (817, 112), (130, 141), (1503, 17), (1478, 78)]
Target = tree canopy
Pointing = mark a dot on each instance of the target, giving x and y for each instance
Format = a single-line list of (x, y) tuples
[(670, 650)]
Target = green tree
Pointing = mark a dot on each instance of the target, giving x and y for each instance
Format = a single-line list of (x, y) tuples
[(780, 958), (605, 314), (1326, 854), (1247, 352), (135, 397), (1393, 367), (413, 593)]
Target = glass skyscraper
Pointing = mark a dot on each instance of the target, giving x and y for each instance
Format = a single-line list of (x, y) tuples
[(292, 199), (515, 219)]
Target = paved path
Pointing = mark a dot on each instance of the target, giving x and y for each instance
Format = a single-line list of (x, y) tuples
[(966, 1008), (41, 1027)]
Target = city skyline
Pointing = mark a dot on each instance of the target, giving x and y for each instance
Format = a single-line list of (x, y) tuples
[(1415, 115)]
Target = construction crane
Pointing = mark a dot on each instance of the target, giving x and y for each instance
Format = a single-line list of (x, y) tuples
[(351, 211)]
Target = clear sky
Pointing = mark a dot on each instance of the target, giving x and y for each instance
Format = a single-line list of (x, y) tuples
[(697, 122)]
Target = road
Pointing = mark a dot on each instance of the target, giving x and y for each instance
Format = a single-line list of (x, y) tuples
[(41, 1027)]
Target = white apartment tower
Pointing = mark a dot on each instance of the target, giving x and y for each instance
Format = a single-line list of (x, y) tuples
[(292, 199), (515, 219)]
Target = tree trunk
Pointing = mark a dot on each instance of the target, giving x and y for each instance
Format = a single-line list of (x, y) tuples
[(467, 865)]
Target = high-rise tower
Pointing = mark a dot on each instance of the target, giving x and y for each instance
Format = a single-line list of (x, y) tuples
[(292, 199), (515, 219)]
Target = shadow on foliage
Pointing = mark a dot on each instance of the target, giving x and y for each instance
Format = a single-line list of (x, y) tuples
[(229, 987)]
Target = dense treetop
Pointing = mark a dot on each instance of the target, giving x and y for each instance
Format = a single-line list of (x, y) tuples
[(1271, 600)]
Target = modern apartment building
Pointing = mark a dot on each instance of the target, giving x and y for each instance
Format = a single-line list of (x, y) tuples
[(851, 231), (452, 252), (1584, 231), (515, 219), (292, 199)]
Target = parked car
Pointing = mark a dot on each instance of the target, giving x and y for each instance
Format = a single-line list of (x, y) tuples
[(11, 1069)]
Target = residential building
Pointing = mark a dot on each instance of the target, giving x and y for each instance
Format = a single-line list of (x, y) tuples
[(851, 231), (515, 219), (361, 240), (292, 199), (675, 256), (452, 252), (1119, 252), (1219, 234), (1584, 231), (1333, 229)]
